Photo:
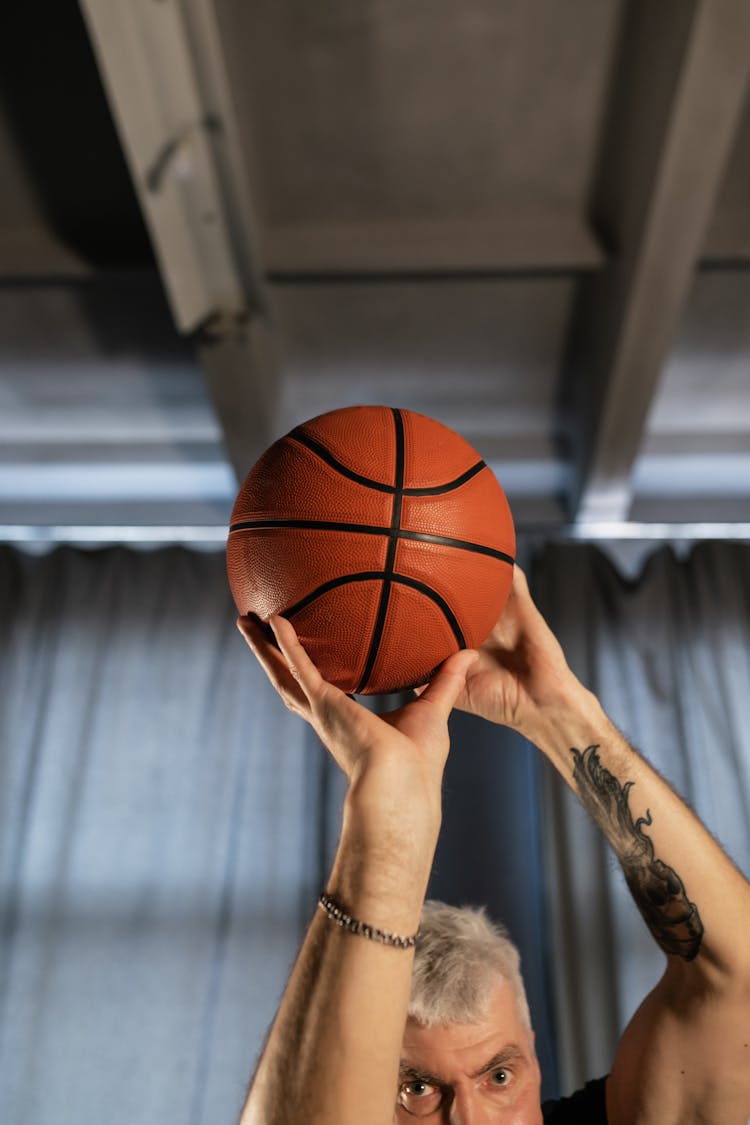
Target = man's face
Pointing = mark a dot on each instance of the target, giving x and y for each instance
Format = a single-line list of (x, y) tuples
[(483, 1073)]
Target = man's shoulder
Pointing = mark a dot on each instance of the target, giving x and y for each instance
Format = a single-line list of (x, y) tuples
[(584, 1107)]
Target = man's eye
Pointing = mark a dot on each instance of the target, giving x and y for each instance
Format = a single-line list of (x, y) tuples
[(500, 1077), (419, 1097), (418, 1089)]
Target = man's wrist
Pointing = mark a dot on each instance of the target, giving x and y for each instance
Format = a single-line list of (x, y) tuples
[(576, 719), (380, 883)]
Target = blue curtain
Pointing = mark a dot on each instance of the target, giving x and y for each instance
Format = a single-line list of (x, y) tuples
[(158, 841), (668, 652), (165, 824)]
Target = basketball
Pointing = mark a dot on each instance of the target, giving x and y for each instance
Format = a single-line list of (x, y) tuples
[(382, 536)]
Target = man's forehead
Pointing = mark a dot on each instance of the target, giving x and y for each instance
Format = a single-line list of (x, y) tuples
[(468, 1046), (455, 1038)]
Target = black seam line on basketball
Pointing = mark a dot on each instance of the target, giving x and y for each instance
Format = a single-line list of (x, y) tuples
[(434, 490), (377, 575), (385, 592), (440, 602), (450, 486), (325, 455), (370, 529), (333, 584), (314, 525), (459, 544)]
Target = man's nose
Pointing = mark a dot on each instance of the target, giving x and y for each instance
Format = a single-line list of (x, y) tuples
[(466, 1109)]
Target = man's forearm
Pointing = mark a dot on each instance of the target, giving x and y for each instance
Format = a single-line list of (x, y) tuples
[(333, 1052), (332, 1055), (693, 899)]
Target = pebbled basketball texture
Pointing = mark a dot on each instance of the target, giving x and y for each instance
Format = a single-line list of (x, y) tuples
[(384, 538)]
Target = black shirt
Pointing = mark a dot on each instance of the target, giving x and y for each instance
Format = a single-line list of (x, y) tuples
[(585, 1107)]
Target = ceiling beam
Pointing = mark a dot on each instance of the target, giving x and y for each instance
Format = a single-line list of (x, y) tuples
[(29, 246), (239, 364), (525, 239), (169, 137), (679, 90), (165, 75)]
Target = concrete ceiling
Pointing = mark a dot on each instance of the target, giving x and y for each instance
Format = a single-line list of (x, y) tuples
[(528, 219)]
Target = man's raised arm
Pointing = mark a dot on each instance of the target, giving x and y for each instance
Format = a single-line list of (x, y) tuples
[(332, 1054), (685, 1057)]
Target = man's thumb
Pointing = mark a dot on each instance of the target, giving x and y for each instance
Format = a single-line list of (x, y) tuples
[(448, 682)]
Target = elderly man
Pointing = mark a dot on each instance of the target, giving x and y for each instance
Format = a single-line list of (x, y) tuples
[(377, 1027)]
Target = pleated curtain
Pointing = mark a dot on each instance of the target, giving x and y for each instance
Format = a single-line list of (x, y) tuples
[(157, 852), (668, 652), (165, 828), (165, 824)]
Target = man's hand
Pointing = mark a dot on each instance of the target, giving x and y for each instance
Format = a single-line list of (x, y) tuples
[(351, 732), (394, 763), (521, 676)]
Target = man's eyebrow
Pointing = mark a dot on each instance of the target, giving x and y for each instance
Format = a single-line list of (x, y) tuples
[(409, 1073), (510, 1053)]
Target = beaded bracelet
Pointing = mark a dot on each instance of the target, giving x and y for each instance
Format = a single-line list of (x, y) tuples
[(338, 915)]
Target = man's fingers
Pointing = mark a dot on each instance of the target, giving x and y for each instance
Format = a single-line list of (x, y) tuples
[(298, 662), (334, 716), (274, 664), (257, 639), (447, 685)]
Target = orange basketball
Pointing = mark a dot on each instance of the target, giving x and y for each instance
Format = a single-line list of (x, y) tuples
[(382, 536)]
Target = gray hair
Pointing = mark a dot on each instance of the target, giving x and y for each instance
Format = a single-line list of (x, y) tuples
[(459, 958)]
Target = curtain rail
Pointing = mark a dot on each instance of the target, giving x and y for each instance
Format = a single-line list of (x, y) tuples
[(215, 536)]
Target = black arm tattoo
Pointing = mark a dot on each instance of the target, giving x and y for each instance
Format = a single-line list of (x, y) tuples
[(657, 889)]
